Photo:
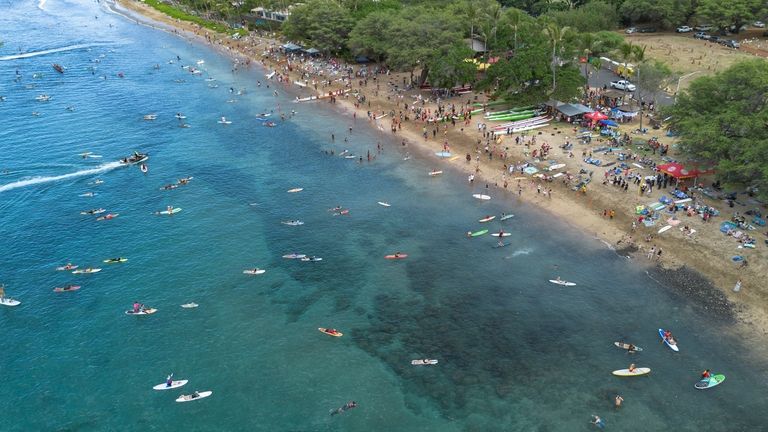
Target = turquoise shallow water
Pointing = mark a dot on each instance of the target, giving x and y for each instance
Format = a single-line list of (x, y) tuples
[(516, 352)]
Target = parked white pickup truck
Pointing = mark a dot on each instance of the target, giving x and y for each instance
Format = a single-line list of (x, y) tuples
[(623, 85)]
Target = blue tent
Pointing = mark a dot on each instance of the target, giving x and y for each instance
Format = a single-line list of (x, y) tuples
[(609, 123)]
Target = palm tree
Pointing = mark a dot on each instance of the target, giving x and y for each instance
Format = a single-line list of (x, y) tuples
[(626, 50), (515, 17), (493, 14), (556, 35), (470, 10), (590, 45)]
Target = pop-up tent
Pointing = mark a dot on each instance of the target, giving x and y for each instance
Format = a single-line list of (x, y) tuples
[(596, 116), (678, 171)]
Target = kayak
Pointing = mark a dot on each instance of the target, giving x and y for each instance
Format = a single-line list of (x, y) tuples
[(189, 305), (149, 311), (294, 190), (481, 197), (9, 302), (174, 384), (396, 256), (191, 397), (254, 272), (385, 204), (479, 233), (67, 288), (562, 282), (423, 362), (108, 216), (115, 260), (637, 372), (487, 219), (294, 256), (331, 332), (66, 267), (625, 346), (501, 234), (85, 271), (505, 217), (709, 382), (672, 346), (166, 212)]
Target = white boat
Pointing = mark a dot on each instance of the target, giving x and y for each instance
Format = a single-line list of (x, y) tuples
[(224, 121), (7, 301)]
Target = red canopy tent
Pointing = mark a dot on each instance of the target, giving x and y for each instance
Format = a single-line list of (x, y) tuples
[(596, 116), (679, 172)]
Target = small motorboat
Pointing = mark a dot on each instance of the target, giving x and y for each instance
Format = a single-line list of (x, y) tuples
[(135, 158)]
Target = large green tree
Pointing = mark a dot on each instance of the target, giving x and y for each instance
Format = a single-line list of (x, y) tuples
[(724, 119), (724, 14), (324, 24), (666, 13), (593, 16)]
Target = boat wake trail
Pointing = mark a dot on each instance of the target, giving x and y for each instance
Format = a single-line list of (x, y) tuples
[(37, 180), (49, 51)]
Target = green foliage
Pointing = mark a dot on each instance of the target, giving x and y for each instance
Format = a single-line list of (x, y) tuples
[(181, 15), (366, 37), (724, 119), (664, 13), (723, 14), (609, 41), (321, 23), (593, 16), (652, 77), (453, 69)]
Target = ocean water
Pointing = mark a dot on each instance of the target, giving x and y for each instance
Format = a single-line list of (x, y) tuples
[(516, 353)]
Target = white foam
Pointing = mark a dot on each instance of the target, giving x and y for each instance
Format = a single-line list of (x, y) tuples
[(41, 4), (44, 52), (37, 180)]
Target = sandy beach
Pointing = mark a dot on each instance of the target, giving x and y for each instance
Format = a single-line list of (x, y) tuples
[(699, 265)]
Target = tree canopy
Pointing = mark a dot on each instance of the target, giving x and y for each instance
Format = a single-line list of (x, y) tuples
[(321, 23), (724, 119)]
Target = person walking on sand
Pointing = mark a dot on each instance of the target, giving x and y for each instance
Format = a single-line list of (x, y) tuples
[(652, 252), (737, 287)]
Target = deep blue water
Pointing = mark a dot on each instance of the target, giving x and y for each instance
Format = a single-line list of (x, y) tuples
[(516, 352)]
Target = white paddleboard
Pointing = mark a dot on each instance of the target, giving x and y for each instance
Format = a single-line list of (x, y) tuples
[(562, 282), (189, 305), (665, 229), (501, 234), (254, 272), (166, 212), (188, 398), (481, 197), (385, 204), (435, 173), (294, 190), (9, 302), (174, 384), (86, 271), (636, 372), (424, 362)]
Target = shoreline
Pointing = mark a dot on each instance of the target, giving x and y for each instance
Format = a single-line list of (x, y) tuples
[(705, 278)]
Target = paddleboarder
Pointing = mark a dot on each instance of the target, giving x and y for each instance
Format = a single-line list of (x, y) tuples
[(706, 374), (501, 239), (169, 380)]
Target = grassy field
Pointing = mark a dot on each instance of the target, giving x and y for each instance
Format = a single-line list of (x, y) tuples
[(181, 15)]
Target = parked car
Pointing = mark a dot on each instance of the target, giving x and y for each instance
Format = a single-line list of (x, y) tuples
[(647, 30), (759, 24), (683, 29), (701, 35), (703, 27), (715, 39), (623, 85), (631, 30), (730, 43)]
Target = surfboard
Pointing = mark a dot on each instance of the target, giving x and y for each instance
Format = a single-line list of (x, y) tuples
[(115, 260), (396, 256), (625, 346), (149, 311), (562, 282), (709, 382), (330, 332), (423, 362), (435, 173), (673, 346), (444, 154), (487, 219), (166, 212), (385, 204), (479, 233), (637, 372), (190, 305), (665, 228), (254, 272), (188, 398), (108, 216), (481, 197), (66, 268), (294, 256), (66, 288), (174, 384), (294, 190), (86, 271), (9, 302), (505, 217), (501, 234)]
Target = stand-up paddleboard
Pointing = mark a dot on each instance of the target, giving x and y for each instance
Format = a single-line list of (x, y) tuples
[(93, 212), (294, 190), (192, 397), (624, 345), (479, 233), (67, 268), (270, 75), (709, 382), (66, 288), (166, 212), (115, 260), (501, 234), (149, 311), (294, 256), (254, 271), (672, 346), (562, 282), (423, 362), (108, 216), (435, 173), (505, 217), (487, 219), (190, 305), (385, 204), (174, 384), (665, 228), (312, 259), (444, 154), (636, 372), (292, 223), (6, 301), (86, 271), (331, 332), (396, 256), (481, 197)]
